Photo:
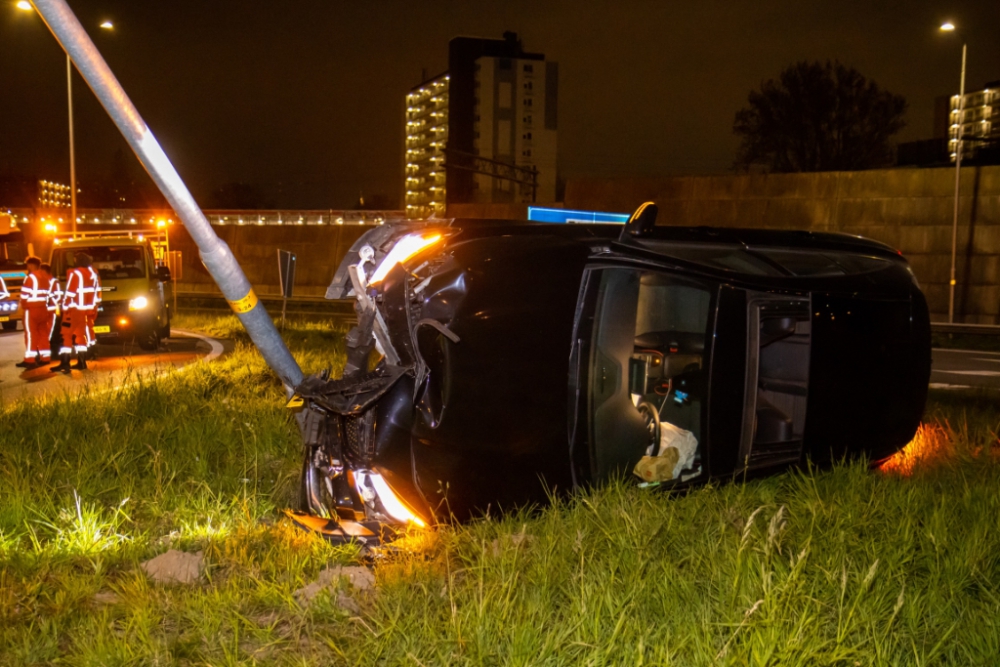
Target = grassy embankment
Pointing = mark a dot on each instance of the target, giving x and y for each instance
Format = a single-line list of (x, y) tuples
[(842, 567)]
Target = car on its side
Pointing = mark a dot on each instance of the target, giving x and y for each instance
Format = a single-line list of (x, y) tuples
[(515, 360)]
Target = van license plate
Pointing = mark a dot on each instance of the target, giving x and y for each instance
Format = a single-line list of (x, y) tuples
[(4, 318), (102, 329)]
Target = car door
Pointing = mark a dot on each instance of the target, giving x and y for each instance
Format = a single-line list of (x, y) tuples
[(639, 371)]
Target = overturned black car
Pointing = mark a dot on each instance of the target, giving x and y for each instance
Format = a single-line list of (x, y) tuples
[(495, 363)]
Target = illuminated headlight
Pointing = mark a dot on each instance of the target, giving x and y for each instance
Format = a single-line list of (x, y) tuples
[(405, 248), (138, 303), (393, 505), (8, 306)]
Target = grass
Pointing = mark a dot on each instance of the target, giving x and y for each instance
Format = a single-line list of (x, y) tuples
[(840, 567)]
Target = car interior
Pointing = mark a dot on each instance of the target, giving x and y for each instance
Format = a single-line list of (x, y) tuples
[(648, 376)]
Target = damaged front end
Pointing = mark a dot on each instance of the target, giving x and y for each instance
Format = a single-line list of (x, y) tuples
[(357, 482)]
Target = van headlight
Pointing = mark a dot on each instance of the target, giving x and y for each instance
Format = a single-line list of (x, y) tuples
[(138, 303)]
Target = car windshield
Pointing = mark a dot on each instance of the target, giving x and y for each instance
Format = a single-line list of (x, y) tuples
[(111, 262), (648, 371), (13, 251), (717, 256)]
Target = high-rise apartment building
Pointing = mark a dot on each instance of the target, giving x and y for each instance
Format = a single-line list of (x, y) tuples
[(976, 118), (426, 138), (484, 131)]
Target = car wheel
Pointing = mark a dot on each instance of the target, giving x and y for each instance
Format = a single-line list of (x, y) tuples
[(150, 341), (164, 331), (9, 326)]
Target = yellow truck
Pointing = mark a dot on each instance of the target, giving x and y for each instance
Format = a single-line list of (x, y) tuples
[(13, 251), (136, 286)]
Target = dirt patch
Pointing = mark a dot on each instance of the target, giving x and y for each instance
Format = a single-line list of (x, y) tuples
[(360, 579), (175, 567)]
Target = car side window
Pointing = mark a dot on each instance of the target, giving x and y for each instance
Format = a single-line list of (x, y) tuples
[(648, 373)]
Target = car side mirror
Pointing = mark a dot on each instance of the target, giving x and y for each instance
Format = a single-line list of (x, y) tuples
[(641, 222), (163, 273)]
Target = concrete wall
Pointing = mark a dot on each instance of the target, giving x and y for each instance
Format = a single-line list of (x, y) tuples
[(909, 209), (318, 250)]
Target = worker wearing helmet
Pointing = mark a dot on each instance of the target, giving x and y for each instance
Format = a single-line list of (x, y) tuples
[(79, 299), (34, 293)]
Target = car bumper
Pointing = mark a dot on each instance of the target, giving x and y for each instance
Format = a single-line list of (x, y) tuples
[(123, 324)]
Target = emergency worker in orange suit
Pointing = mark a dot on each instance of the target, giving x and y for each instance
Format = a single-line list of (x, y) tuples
[(34, 294), (79, 298), (53, 299), (92, 316)]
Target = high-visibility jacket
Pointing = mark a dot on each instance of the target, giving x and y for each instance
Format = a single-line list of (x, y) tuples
[(3, 289), (97, 285), (55, 295), (82, 289), (33, 290)]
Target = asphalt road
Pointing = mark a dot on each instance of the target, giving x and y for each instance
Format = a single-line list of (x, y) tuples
[(115, 364), (956, 369)]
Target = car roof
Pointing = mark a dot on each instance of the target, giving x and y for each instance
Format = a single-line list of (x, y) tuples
[(103, 241), (749, 237)]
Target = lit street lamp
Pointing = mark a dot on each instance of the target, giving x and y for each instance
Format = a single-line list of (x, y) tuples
[(950, 27), (107, 25)]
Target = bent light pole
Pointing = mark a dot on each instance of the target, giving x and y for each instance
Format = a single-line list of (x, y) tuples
[(216, 255)]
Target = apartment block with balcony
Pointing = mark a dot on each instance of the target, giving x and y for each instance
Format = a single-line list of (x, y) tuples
[(484, 131), (426, 139), (976, 118)]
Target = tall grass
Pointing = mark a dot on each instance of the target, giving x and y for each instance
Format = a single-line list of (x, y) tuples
[(839, 567)]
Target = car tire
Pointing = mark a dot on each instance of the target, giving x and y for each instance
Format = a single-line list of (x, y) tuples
[(150, 341), (9, 326)]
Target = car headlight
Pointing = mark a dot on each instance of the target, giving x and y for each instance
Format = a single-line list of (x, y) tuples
[(138, 303), (406, 247)]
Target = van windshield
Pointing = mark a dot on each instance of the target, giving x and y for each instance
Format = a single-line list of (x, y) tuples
[(13, 251), (111, 262)]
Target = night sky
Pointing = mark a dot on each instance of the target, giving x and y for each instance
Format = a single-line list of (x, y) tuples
[(305, 99)]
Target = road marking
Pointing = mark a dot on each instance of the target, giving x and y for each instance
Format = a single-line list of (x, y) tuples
[(988, 374), (216, 345), (945, 385)]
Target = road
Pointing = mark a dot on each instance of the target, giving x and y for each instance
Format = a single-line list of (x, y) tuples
[(965, 368), (114, 364)]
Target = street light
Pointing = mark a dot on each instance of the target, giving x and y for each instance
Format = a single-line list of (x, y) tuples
[(948, 26), (107, 25)]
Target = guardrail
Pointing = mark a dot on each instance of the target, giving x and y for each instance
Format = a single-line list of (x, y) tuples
[(300, 305), (960, 328)]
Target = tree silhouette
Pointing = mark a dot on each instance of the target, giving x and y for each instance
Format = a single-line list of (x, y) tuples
[(818, 117)]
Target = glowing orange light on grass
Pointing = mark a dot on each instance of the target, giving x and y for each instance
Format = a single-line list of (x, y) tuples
[(930, 442)]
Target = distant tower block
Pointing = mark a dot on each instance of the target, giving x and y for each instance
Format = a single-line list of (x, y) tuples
[(484, 131)]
